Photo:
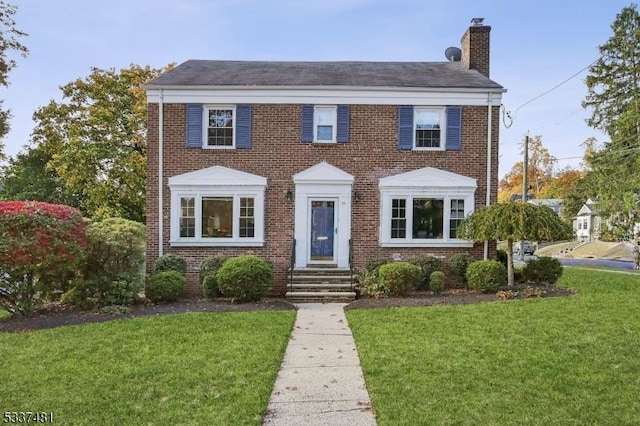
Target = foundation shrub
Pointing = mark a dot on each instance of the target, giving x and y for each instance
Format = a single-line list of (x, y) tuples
[(244, 278), (399, 278), (486, 275)]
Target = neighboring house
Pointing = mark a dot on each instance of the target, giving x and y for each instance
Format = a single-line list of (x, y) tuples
[(321, 163), (554, 204), (587, 223)]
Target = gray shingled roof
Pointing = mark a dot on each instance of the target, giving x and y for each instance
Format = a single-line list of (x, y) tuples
[(355, 74)]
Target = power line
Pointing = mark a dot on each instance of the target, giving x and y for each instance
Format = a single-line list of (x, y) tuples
[(556, 86)]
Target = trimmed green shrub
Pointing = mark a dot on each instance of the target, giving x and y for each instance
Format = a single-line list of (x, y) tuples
[(486, 275), (367, 278), (170, 262), (210, 286), (369, 283), (501, 256), (100, 292), (544, 270), (113, 273), (459, 263), (436, 282), (244, 278), (42, 246), (398, 278), (116, 247), (427, 265), (165, 286), (207, 274)]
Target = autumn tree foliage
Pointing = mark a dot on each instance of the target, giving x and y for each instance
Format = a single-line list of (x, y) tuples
[(96, 140), (540, 171), (40, 244)]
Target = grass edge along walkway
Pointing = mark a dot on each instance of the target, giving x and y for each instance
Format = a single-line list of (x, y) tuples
[(566, 360), (195, 368)]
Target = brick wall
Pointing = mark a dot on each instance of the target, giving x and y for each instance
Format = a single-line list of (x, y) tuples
[(277, 154)]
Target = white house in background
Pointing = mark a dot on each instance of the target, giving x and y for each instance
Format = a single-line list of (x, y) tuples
[(554, 204), (587, 223)]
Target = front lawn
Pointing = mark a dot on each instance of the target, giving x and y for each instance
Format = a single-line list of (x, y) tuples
[(566, 360), (196, 368)]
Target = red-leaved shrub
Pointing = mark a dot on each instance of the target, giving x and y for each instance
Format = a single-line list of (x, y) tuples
[(41, 245)]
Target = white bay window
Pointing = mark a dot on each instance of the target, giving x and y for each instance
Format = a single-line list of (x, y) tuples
[(424, 208), (207, 212)]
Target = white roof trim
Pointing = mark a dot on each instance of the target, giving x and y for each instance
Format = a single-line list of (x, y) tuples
[(326, 95), (217, 176), (428, 177), (323, 173)]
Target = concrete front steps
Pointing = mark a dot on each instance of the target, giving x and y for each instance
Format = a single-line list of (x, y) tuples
[(322, 284)]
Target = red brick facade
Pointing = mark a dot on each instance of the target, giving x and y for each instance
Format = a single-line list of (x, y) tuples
[(277, 153)]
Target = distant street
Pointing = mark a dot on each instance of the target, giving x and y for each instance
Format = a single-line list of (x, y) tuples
[(598, 262)]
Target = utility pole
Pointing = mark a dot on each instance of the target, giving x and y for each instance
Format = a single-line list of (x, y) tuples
[(525, 187)]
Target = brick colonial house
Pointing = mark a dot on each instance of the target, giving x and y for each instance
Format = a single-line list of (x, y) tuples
[(321, 164)]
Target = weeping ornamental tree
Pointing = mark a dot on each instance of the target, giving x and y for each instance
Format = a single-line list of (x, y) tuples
[(514, 222)]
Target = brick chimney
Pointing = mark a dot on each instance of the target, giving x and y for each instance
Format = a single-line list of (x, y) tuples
[(475, 47)]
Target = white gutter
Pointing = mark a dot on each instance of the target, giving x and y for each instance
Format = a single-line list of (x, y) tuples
[(489, 135), (160, 171)]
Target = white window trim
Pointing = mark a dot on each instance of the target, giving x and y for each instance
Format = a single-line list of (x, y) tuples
[(334, 135), (443, 127), (205, 126), (442, 194), (255, 192)]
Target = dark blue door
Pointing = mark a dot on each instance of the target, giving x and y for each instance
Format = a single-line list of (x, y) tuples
[(322, 230)]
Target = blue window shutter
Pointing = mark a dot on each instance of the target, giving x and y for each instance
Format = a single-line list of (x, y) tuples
[(343, 123), (243, 126), (194, 125), (405, 127), (307, 123), (454, 128)]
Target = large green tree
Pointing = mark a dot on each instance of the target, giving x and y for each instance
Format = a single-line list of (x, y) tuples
[(28, 177), (514, 221), (10, 44), (613, 85), (96, 137)]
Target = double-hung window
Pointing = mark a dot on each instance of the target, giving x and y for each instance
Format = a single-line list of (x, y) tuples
[(217, 207), (219, 126), (429, 128), (424, 208), (325, 123)]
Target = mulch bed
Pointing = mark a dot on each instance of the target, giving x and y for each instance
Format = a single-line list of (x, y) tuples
[(56, 315), (450, 297)]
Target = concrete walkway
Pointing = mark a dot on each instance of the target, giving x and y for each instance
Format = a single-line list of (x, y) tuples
[(320, 381)]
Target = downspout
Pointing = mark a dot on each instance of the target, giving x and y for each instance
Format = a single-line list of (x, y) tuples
[(160, 172), (489, 136)]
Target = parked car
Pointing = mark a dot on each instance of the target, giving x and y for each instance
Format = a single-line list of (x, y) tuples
[(528, 247)]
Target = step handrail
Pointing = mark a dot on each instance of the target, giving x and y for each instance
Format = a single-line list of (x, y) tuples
[(292, 265), (351, 262)]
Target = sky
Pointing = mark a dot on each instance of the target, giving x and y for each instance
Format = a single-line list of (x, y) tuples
[(535, 45)]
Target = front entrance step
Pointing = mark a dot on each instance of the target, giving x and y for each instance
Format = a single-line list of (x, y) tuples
[(320, 284), (320, 296), (299, 286)]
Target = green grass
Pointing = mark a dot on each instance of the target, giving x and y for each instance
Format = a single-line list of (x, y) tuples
[(568, 360), (196, 368)]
